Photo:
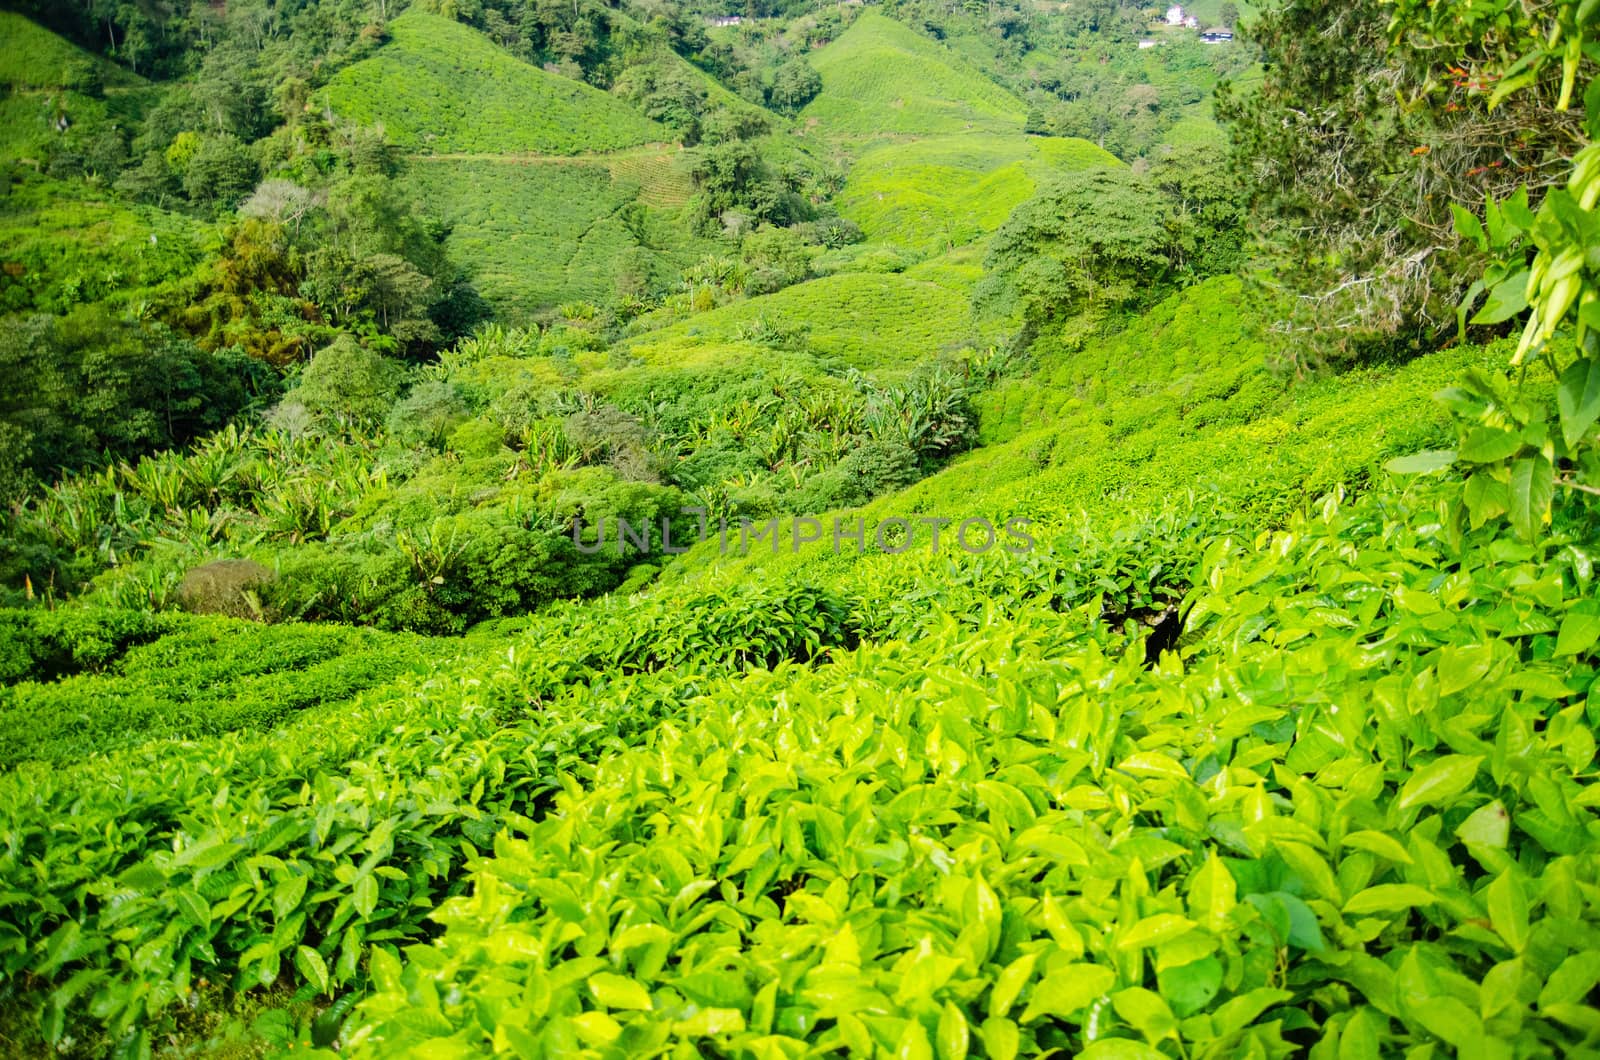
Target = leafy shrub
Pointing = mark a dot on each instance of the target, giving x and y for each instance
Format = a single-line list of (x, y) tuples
[(428, 414), (347, 385), (45, 645)]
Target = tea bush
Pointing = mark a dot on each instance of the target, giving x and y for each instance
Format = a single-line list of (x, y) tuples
[(1353, 816)]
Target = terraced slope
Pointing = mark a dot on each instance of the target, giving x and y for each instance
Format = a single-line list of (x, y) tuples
[(1180, 402), (535, 232), (444, 87), (933, 195), (880, 79)]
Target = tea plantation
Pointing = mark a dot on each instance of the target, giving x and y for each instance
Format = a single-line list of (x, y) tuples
[(1090, 593)]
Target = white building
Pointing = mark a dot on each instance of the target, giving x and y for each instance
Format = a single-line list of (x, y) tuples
[(1175, 15)]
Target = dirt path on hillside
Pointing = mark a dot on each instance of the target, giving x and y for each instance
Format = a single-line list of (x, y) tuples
[(537, 158)]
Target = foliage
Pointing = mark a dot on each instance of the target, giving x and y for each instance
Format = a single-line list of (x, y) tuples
[(1094, 242), (1517, 447), (736, 187), (89, 386), (220, 173), (197, 678), (347, 385), (794, 84), (67, 245), (1224, 742), (1353, 153), (975, 850)]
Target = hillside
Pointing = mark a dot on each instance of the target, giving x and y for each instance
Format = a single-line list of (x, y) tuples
[(880, 79), (65, 245), (1104, 434), (439, 86), (32, 57), (932, 195), (863, 320), (935, 723), (534, 233)]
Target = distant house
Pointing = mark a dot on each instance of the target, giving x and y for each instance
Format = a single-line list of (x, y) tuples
[(1218, 35), (1148, 44), (1175, 15), (727, 20), (1191, 22)]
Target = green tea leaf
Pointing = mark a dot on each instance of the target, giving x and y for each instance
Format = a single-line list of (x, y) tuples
[(1068, 990), (313, 968), (1439, 781), (1488, 826), (1190, 987), (1388, 898), (1508, 909), (1212, 894), (618, 991), (1579, 633), (1425, 463), (1154, 930), (1145, 1012), (953, 1038)]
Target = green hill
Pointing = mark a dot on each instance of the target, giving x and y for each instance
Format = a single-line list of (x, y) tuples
[(1033, 642), (881, 79), (33, 57), (898, 775), (443, 87), (932, 195), (535, 233)]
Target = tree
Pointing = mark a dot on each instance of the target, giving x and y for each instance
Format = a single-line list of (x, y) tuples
[(666, 93), (777, 257), (1228, 14), (91, 383), (347, 384), (1205, 208), (733, 176), (151, 181), (1093, 242), (794, 84), (220, 173), (428, 414), (280, 201)]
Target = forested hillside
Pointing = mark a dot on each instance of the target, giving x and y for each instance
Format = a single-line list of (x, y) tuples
[(666, 529)]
